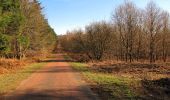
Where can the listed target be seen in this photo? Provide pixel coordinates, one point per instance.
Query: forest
(133, 34)
(24, 31)
(124, 58)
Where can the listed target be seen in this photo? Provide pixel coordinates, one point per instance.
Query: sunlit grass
(116, 87)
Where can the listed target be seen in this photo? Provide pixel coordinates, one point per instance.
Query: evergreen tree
(23, 28)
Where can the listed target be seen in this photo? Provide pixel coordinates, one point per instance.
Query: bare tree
(153, 27)
(126, 19)
(98, 39)
(136, 34)
(165, 32)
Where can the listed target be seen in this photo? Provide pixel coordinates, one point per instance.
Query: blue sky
(66, 15)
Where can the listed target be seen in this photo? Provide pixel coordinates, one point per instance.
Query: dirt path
(56, 81)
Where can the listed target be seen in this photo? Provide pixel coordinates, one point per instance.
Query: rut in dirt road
(56, 81)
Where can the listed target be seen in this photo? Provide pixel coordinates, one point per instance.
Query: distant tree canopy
(133, 34)
(23, 29)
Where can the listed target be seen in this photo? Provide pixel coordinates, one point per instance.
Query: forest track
(56, 81)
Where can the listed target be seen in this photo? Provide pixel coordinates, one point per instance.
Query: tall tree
(25, 25)
(165, 37)
(126, 19)
(153, 27)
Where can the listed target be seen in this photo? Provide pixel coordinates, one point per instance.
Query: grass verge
(10, 81)
(109, 87)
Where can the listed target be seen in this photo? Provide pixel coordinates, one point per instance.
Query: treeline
(24, 31)
(133, 35)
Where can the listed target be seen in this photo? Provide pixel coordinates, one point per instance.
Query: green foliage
(5, 20)
(9, 5)
(4, 44)
(10, 23)
(24, 41)
(41, 35)
(24, 22)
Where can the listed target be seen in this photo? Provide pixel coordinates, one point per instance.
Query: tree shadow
(157, 89)
(77, 93)
(48, 61)
(61, 69)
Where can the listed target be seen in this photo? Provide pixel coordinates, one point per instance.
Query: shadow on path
(56, 81)
(53, 94)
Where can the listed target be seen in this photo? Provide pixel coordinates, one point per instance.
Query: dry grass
(137, 70)
(12, 65)
(10, 81)
(150, 81)
(14, 71)
(145, 81)
(8, 65)
(139, 80)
